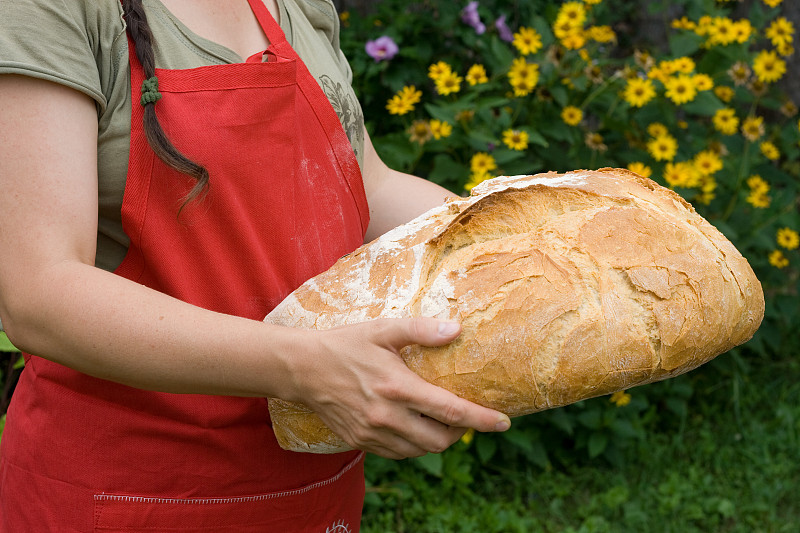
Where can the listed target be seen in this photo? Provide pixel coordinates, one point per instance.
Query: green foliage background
(563, 442)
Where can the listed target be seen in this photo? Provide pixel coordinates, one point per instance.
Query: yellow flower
(564, 27)
(758, 200)
(768, 66)
(725, 121)
(683, 64)
(707, 186)
(595, 141)
(447, 83)
(420, 131)
(707, 162)
(638, 92)
(758, 192)
(777, 259)
(516, 139)
(572, 115)
(773, 3)
(681, 89)
(523, 76)
(527, 41)
(740, 73)
(640, 168)
(663, 148)
(658, 73)
(742, 31)
(602, 34)
(788, 109)
(466, 115)
(440, 129)
(757, 184)
(482, 162)
(476, 75)
(468, 435)
(703, 82)
(753, 128)
(477, 178)
(770, 151)
(657, 129)
(574, 41)
(573, 11)
(404, 101)
(724, 93)
(780, 32)
(683, 23)
(721, 31)
(620, 398)
(592, 2)
(788, 238)
(439, 69)
(785, 49)
(681, 174)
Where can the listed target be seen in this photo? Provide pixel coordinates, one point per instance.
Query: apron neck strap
(271, 28)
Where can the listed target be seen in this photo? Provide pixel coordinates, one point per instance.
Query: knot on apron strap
(150, 94)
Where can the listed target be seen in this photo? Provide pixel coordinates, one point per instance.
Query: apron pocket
(330, 505)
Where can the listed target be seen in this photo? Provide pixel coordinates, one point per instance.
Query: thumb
(423, 330)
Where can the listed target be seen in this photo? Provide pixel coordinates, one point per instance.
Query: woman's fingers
(433, 401)
(375, 403)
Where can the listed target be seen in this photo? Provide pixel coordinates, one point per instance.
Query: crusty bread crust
(567, 286)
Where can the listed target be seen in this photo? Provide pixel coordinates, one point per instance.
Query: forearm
(106, 326)
(395, 197)
(400, 198)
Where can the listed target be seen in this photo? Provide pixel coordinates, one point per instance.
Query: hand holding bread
(567, 286)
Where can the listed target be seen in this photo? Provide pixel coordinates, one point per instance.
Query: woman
(170, 170)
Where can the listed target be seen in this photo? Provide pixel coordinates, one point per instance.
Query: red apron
(285, 201)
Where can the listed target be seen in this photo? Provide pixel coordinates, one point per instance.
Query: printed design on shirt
(346, 106)
(339, 527)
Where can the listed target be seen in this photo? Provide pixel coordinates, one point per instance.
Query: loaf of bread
(567, 286)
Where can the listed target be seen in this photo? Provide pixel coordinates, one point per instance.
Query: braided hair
(142, 37)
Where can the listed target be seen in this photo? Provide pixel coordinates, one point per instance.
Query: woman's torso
(84, 45)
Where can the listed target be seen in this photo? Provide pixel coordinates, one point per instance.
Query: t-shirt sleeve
(55, 40)
(324, 18)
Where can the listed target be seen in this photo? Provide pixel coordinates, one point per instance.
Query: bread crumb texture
(567, 286)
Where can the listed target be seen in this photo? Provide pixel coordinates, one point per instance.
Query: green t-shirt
(82, 44)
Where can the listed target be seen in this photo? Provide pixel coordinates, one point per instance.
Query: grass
(731, 465)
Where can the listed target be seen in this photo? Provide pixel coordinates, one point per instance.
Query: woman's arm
(56, 304)
(394, 197)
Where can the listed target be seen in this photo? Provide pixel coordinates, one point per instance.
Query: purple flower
(382, 49)
(470, 16)
(502, 28)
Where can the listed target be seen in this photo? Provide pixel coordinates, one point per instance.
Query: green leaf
(501, 55)
(448, 173)
(5, 344)
(684, 44)
(562, 421)
(535, 137)
(486, 446)
(597, 444)
(519, 439)
(705, 104)
(395, 150)
(431, 463)
(591, 419)
(538, 455)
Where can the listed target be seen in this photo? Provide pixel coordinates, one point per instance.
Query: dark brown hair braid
(142, 37)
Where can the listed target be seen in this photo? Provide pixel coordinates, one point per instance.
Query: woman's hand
(360, 387)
